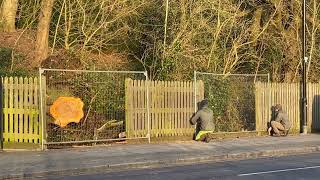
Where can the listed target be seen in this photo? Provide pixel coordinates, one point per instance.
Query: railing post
(41, 93)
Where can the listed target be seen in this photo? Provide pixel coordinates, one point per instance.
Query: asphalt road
(282, 168)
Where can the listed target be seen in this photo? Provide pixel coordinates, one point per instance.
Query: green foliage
(217, 92)
(103, 92)
(163, 72)
(232, 101)
(5, 64)
(5, 57)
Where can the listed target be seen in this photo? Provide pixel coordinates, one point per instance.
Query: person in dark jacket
(281, 122)
(204, 120)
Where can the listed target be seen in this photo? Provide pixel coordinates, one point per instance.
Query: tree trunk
(8, 15)
(41, 47)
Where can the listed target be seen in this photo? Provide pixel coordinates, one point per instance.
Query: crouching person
(204, 120)
(281, 124)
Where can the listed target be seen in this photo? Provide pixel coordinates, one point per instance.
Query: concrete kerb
(166, 163)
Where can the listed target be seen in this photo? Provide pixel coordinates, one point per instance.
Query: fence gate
(20, 123)
(101, 97)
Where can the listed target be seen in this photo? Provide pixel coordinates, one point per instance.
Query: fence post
(1, 115)
(127, 126)
(147, 104)
(42, 104)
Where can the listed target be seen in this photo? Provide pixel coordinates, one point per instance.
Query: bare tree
(8, 15)
(42, 45)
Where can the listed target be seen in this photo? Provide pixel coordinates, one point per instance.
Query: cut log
(107, 126)
(110, 124)
(66, 110)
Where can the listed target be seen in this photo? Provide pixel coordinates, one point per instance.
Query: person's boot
(269, 131)
(203, 138)
(286, 132)
(207, 139)
(276, 135)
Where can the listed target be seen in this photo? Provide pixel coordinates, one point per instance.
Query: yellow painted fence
(21, 119)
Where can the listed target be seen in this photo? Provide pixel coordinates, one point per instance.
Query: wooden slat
(183, 105)
(22, 127)
(175, 98)
(151, 98)
(11, 126)
(36, 120)
(168, 106)
(152, 113)
(257, 105)
(138, 102)
(141, 107)
(17, 137)
(33, 116)
(161, 104)
(145, 113)
(27, 107)
(310, 94)
(135, 101)
(128, 107)
(142, 117)
(5, 110)
(178, 92)
(189, 97)
(156, 108)
(169, 103)
(165, 108)
(171, 107)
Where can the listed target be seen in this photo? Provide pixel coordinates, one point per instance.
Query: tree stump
(66, 110)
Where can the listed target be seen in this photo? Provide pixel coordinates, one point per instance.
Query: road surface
(282, 168)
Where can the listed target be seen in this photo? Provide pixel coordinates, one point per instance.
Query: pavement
(117, 157)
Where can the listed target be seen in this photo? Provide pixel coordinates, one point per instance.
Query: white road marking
(276, 171)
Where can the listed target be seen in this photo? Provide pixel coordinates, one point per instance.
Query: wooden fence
(21, 120)
(288, 95)
(171, 107)
(313, 112)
